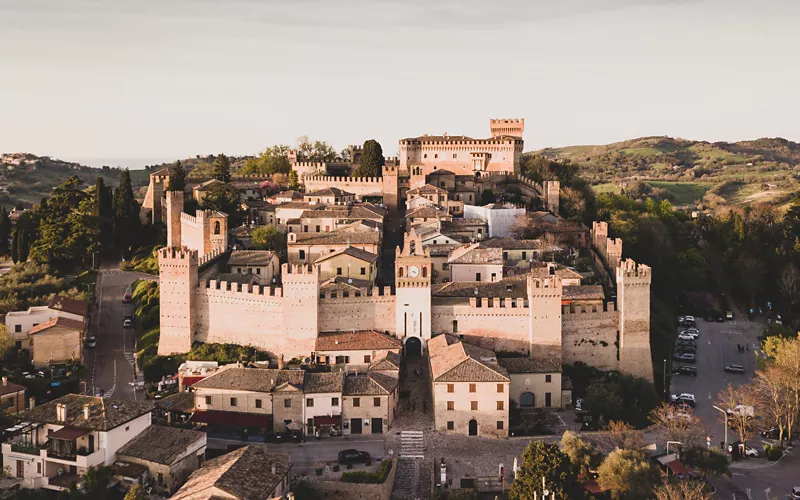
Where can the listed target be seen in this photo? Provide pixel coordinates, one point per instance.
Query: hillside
(719, 173)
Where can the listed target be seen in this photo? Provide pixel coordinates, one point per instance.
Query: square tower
(633, 303)
(178, 278)
(413, 282)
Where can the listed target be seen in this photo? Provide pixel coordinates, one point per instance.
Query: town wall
(489, 323)
(364, 310)
(589, 334)
(359, 186)
(633, 296)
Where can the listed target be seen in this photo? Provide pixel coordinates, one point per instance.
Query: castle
(532, 314)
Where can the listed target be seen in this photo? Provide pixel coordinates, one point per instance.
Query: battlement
(191, 219)
(310, 164)
(542, 283)
(298, 269)
(614, 246)
(174, 253)
(599, 229)
(391, 159)
(631, 272)
(212, 255)
(574, 309)
(244, 289)
(333, 180)
(373, 293)
(505, 141)
(507, 121)
(499, 303)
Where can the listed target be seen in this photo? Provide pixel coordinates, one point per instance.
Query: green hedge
(363, 477)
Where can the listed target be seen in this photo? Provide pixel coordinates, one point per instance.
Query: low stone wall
(354, 491)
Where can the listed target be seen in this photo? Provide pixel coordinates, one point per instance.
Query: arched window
(527, 399)
(424, 271)
(399, 272)
(436, 156)
(425, 155)
(216, 227)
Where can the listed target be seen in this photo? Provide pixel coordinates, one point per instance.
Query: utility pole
(726, 426)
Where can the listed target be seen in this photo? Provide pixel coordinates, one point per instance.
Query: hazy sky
(173, 78)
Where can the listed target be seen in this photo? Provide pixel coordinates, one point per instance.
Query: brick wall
(337, 490)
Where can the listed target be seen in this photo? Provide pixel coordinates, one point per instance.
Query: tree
(177, 179)
(545, 461)
(784, 354)
(582, 454)
(774, 399)
(126, 212)
(136, 493)
(682, 490)
(268, 238)
(623, 436)
(628, 475)
(679, 424)
(294, 181)
(707, 461)
(5, 231)
(24, 247)
(15, 247)
(372, 160)
(739, 403)
(487, 196)
(222, 168)
(6, 341)
(318, 151)
(224, 198)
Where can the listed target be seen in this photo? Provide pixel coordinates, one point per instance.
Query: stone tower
(633, 303)
(552, 193)
(174, 207)
(300, 302)
(512, 127)
(177, 269)
(391, 187)
(413, 282)
(544, 298)
(155, 193)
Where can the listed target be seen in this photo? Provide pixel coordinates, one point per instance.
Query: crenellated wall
(589, 334)
(363, 310)
(497, 324)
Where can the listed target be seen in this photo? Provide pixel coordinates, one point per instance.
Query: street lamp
(726, 425)
(668, 443)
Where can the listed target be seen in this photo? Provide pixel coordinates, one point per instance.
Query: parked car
(796, 492)
(734, 368)
(692, 331)
(687, 318)
(91, 341)
(686, 336)
(127, 323)
(353, 456)
(686, 348)
(127, 298)
(684, 397)
(773, 433)
(687, 357)
(729, 315)
(690, 343)
(686, 370)
(751, 452)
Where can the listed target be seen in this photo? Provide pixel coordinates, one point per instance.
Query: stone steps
(407, 481)
(412, 445)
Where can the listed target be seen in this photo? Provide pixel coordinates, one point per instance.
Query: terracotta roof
(508, 243)
(427, 212)
(238, 278)
(426, 189)
(474, 254)
(361, 340)
(369, 384)
(542, 270)
(466, 222)
(343, 212)
(389, 362)
(352, 252)
(297, 204)
(204, 186)
(455, 361)
(531, 365)
(242, 231)
(440, 172)
(161, 444)
(343, 283)
(59, 321)
(513, 287)
(10, 388)
(329, 191)
(584, 292)
(344, 234)
(316, 383)
(74, 306)
(294, 195)
(441, 249)
(104, 414)
(250, 379)
(244, 474)
(250, 258)
(180, 401)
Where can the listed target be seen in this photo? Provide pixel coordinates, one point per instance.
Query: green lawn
(642, 151)
(685, 193)
(609, 187)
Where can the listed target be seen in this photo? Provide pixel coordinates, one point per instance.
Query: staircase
(412, 445)
(413, 477)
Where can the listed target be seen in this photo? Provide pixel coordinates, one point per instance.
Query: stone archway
(413, 347)
(527, 400)
(473, 427)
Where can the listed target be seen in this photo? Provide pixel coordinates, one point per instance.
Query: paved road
(109, 368)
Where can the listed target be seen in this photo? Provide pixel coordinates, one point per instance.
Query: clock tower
(413, 282)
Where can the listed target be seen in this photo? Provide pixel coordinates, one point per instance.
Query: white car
(796, 492)
(684, 396)
(687, 318)
(751, 452)
(686, 336)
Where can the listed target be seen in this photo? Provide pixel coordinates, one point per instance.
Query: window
(17, 328)
(233, 401)
(500, 388)
(399, 272)
(127, 428)
(480, 231)
(208, 400)
(216, 227)
(455, 155)
(505, 255)
(376, 402)
(302, 255)
(501, 405)
(367, 358)
(445, 266)
(338, 271)
(425, 155)
(424, 271)
(524, 255)
(317, 228)
(451, 405)
(249, 270)
(472, 388)
(20, 469)
(356, 402)
(363, 271)
(451, 425)
(305, 228)
(548, 400)
(455, 326)
(451, 388)
(470, 197)
(258, 270)
(287, 403)
(334, 401)
(548, 378)
(477, 276)
(436, 156)
(309, 402)
(473, 405)
(38, 467)
(494, 277)
(499, 425)
(258, 403)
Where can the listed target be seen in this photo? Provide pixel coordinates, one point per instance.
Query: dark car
(686, 357)
(686, 370)
(354, 456)
(683, 349)
(734, 368)
(688, 343)
(773, 433)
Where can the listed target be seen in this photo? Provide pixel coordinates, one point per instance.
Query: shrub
(364, 477)
(773, 452)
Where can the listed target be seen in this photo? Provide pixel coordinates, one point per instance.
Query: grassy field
(608, 187)
(685, 193)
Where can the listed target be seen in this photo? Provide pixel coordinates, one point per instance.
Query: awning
(677, 467)
(67, 433)
(326, 420)
(190, 381)
(233, 419)
(294, 426)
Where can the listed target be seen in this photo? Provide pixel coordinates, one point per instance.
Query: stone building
(58, 340)
(12, 397)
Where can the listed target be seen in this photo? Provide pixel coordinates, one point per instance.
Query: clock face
(413, 271)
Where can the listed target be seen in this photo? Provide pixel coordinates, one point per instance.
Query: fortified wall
(591, 335)
(548, 191)
(609, 249)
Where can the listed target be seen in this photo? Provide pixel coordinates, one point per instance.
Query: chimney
(31, 402)
(86, 412)
(61, 412)
(5, 381)
(274, 468)
(280, 362)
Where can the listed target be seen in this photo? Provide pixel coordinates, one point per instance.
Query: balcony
(25, 448)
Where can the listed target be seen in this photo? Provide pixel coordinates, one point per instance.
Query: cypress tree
(222, 168)
(177, 179)
(5, 230)
(24, 247)
(15, 247)
(372, 160)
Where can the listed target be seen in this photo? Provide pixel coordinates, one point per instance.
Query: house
(470, 389)
(57, 340)
(285, 197)
(199, 191)
(499, 218)
(475, 263)
(175, 408)
(349, 262)
(170, 454)
(440, 268)
(19, 323)
(535, 382)
(249, 473)
(369, 402)
(326, 218)
(323, 405)
(248, 190)
(329, 196)
(424, 214)
(354, 348)
(470, 229)
(521, 251)
(12, 397)
(58, 441)
(308, 247)
(263, 264)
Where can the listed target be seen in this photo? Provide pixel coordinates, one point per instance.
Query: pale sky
(162, 79)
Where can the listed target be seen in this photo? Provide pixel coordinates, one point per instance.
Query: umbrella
(294, 426)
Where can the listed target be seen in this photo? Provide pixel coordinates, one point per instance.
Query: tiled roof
(250, 258)
(297, 204)
(104, 414)
(441, 249)
(161, 444)
(204, 186)
(531, 365)
(427, 212)
(543, 270)
(343, 283)
(584, 292)
(466, 222)
(352, 252)
(513, 287)
(250, 379)
(59, 321)
(361, 340)
(244, 474)
(10, 388)
(329, 191)
(455, 361)
(316, 383)
(294, 195)
(180, 401)
(440, 172)
(74, 306)
(508, 243)
(369, 384)
(389, 362)
(344, 234)
(426, 189)
(238, 278)
(343, 212)
(474, 254)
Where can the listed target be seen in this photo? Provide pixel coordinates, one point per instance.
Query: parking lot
(717, 347)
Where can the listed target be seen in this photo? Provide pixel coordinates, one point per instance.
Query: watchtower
(544, 302)
(633, 303)
(174, 205)
(391, 186)
(413, 280)
(178, 280)
(511, 127)
(300, 306)
(552, 193)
